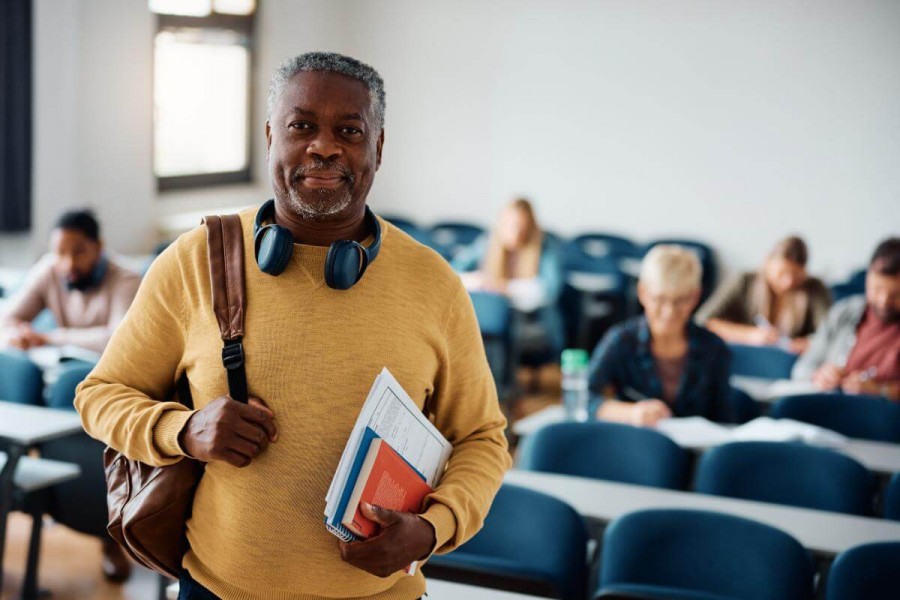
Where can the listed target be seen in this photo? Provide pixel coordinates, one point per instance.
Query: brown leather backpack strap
(225, 242)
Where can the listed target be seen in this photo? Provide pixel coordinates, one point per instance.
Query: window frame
(246, 26)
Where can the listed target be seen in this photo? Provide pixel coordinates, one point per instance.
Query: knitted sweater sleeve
(123, 401)
(466, 410)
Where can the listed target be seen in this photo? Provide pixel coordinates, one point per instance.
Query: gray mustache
(321, 166)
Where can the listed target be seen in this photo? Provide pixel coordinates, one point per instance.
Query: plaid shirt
(624, 361)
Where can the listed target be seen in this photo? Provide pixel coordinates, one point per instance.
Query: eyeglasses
(675, 302)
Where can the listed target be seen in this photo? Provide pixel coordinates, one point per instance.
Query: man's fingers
(383, 516)
(262, 416)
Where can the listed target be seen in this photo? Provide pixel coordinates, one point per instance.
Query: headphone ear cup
(343, 265)
(274, 246)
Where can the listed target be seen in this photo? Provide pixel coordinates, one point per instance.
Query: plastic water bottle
(575, 384)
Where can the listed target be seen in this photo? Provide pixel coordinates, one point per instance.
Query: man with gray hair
(322, 319)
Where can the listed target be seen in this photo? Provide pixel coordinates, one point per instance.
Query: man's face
(323, 148)
(883, 295)
(76, 254)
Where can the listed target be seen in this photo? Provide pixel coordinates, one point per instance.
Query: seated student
(87, 292)
(778, 304)
(857, 349)
(662, 364)
(519, 262)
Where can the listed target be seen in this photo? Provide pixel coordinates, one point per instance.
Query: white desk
(881, 458)
(822, 532)
(22, 427)
(446, 590)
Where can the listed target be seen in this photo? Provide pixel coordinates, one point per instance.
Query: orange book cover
(385, 480)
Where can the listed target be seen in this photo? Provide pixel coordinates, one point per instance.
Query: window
(203, 57)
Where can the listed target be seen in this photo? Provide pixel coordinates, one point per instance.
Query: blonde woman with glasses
(661, 364)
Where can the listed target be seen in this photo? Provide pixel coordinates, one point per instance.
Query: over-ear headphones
(345, 262)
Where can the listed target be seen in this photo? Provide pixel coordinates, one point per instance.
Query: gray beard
(316, 206)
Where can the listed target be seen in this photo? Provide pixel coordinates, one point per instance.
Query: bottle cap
(574, 359)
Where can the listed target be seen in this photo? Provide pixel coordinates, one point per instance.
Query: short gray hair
(331, 62)
(669, 268)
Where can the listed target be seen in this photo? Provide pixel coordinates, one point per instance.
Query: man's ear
(378, 146)
(268, 139)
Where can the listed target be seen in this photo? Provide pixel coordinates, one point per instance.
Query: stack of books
(393, 459)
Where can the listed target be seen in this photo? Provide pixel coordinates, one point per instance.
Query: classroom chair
(866, 572)
(530, 542)
(699, 555)
(495, 321)
(764, 362)
(610, 451)
(787, 473)
(892, 498)
(861, 417)
(417, 233)
(449, 237)
(21, 381)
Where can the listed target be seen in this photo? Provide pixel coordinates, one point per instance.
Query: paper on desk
(766, 429)
(694, 431)
(395, 418)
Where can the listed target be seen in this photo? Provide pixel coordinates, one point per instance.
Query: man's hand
(828, 377)
(26, 337)
(860, 382)
(229, 431)
(404, 538)
(798, 345)
(648, 413)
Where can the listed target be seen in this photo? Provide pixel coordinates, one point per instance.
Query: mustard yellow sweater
(312, 355)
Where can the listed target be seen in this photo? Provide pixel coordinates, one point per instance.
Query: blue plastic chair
(765, 362)
(417, 233)
(530, 542)
(494, 316)
(598, 245)
(784, 473)
(861, 417)
(21, 381)
(62, 392)
(853, 286)
(866, 572)
(701, 555)
(610, 451)
(450, 237)
(892, 498)
(595, 295)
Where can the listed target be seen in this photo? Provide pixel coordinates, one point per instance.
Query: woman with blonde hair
(780, 304)
(661, 364)
(520, 262)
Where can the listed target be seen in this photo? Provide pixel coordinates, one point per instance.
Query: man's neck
(322, 233)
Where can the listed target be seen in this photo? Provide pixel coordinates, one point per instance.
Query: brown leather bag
(149, 506)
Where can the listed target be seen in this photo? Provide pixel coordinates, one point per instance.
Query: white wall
(731, 121)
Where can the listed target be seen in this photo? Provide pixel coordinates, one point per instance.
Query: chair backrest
(21, 380)
(892, 498)
(740, 407)
(866, 572)
(598, 245)
(419, 234)
(494, 316)
(704, 552)
(62, 392)
(528, 535)
(786, 473)
(610, 451)
(450, 237)
(862, 417)
(766, 362)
